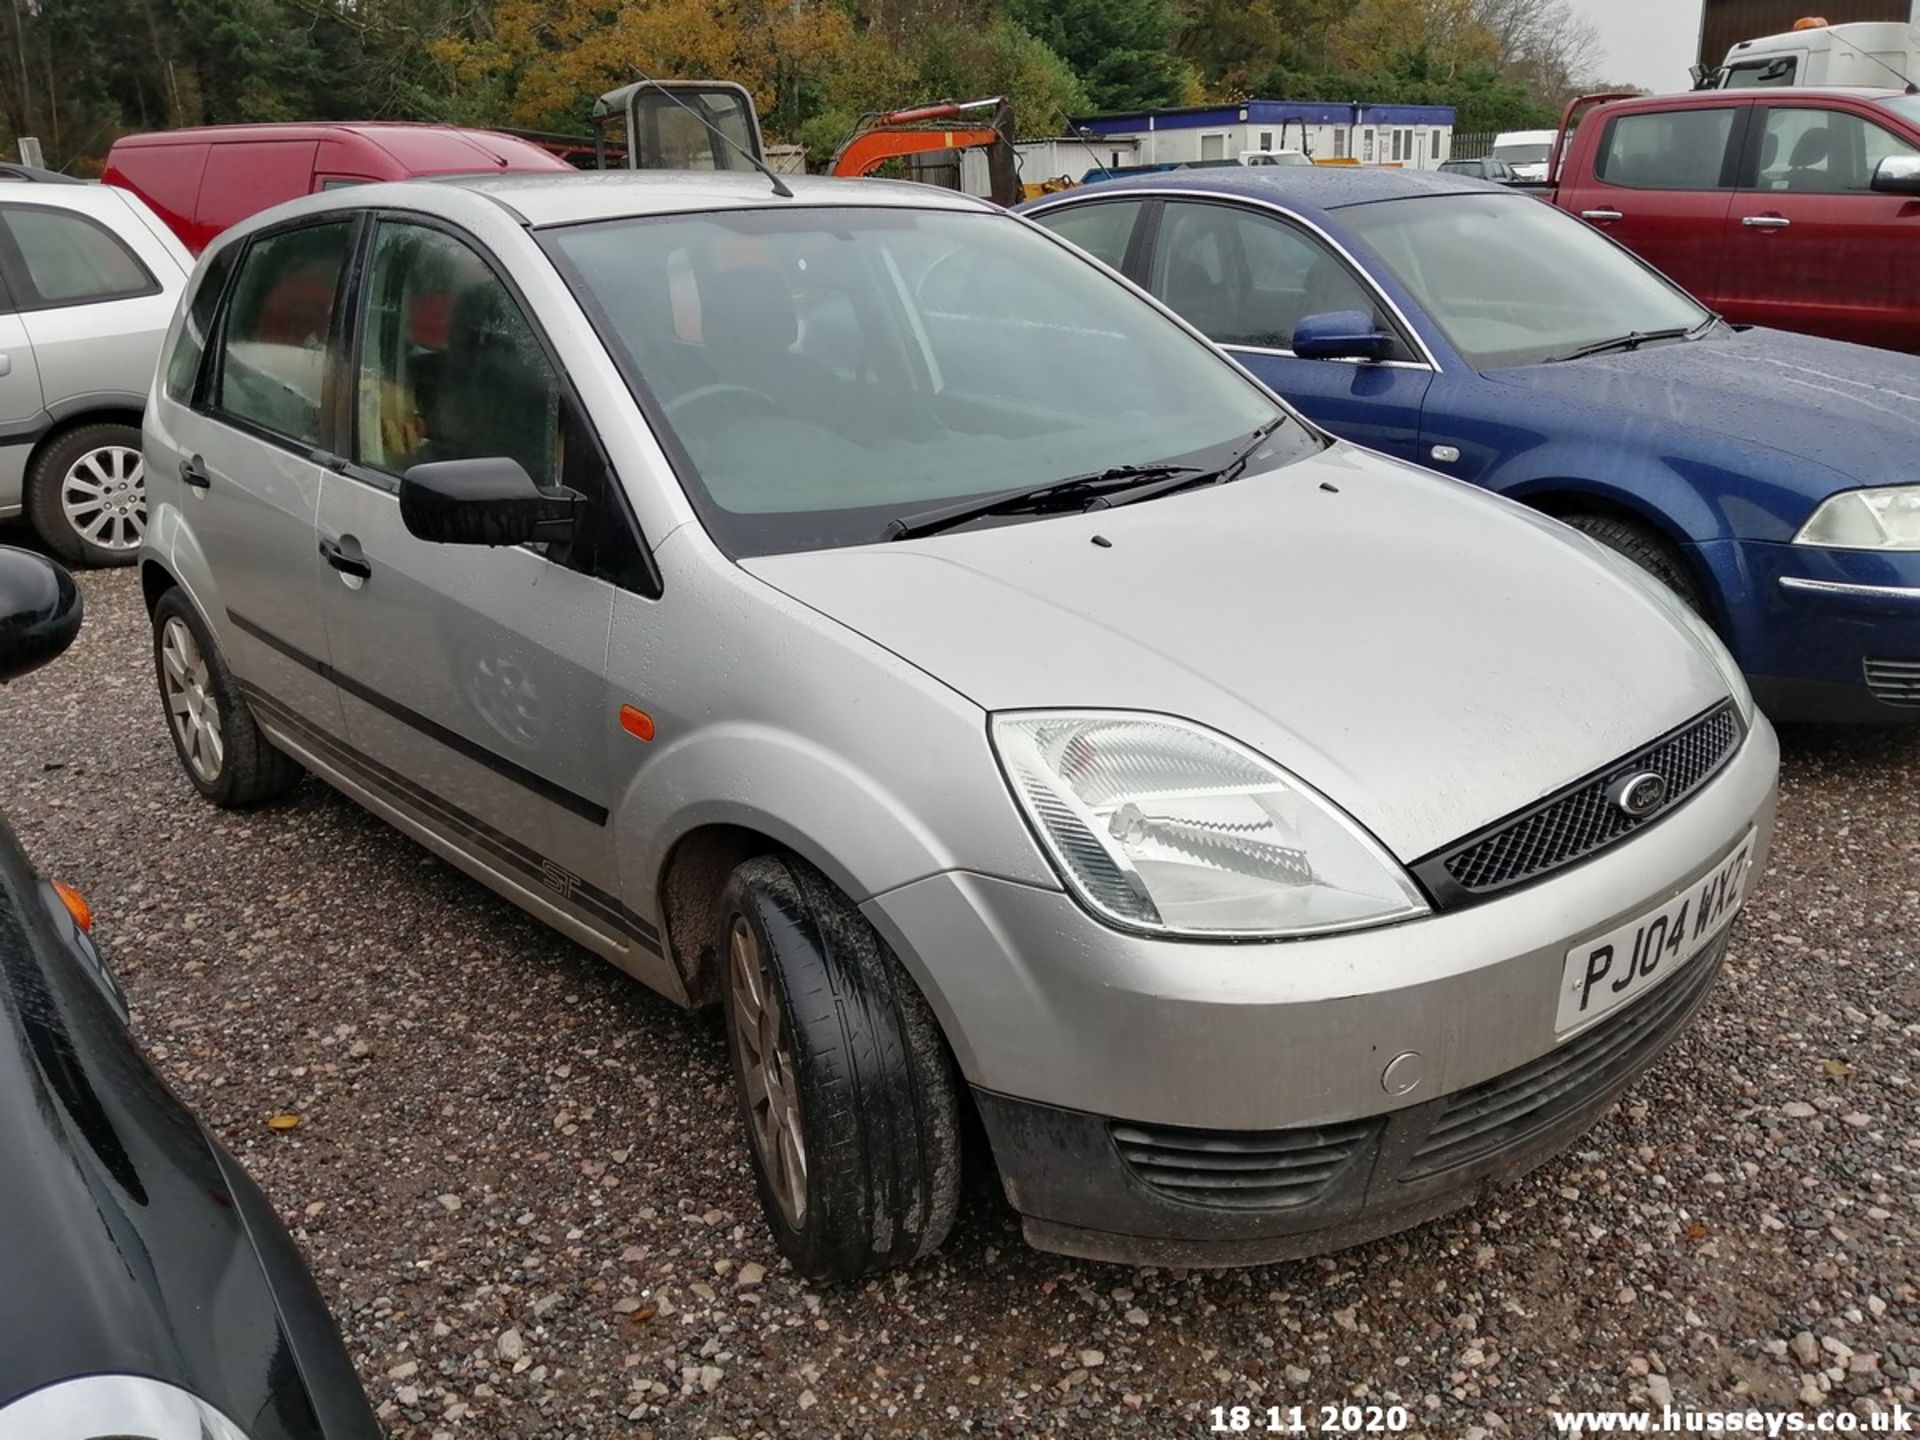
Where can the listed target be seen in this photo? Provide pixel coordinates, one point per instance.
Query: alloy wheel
(765, 1042)
(103, 496)
(191, 706)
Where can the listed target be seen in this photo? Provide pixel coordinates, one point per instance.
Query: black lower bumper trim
(1132, 1193)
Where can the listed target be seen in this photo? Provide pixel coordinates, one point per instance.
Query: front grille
(1242, 1169)
(1581, 819)
(1504, 1111)
(1894, 682)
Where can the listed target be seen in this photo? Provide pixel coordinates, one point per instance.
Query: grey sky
(1648, 42)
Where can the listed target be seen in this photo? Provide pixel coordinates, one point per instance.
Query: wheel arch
(94, 410)
(689, 893)
(1562, 498)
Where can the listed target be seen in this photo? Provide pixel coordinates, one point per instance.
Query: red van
(202, 181)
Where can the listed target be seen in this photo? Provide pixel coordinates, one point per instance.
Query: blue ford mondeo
(1773, 480)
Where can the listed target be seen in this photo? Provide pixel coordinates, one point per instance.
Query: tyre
(1645, 549)
(845, 1085)
(223, 752)
(87, 494)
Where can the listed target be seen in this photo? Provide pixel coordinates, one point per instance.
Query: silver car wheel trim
(765, 1044)
(104, 497)
(191, 707)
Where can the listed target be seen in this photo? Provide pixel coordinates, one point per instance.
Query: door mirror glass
(1898, 175)
(40, 609)
(1340, 335)
(490, 501)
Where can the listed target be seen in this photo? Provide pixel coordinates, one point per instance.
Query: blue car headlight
(1886, 518)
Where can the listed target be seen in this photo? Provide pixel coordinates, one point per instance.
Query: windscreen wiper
(1093, 486)
(1138, 482)
(1633, 340)
(1221, 475)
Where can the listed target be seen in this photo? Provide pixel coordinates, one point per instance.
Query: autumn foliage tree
(76, 73)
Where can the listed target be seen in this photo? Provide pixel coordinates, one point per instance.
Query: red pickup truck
(1794, 208)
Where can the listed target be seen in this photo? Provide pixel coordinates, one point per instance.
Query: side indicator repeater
(636, 722)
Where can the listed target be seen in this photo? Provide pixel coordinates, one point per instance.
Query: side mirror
(491, 501)
(1898, 175)
(40, 610)
(1340, 335)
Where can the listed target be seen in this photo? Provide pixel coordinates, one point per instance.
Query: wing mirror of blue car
(1898, 175)
(40, 610)
(489, 501)
(1340, 335)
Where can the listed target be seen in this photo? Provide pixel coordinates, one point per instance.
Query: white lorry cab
(1813, 52)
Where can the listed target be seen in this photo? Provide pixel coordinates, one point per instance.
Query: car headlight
(1161, 825)
(1884, 519)
(1688, 619)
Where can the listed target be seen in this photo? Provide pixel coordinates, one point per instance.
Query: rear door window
(1667, 149)
(61, 258)
(274, 346)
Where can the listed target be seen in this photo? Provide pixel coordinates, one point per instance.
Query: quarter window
(1667, 149)
(68, 259)
(1101, 230)
(1822, 152)
(273, 351)
(183, 366)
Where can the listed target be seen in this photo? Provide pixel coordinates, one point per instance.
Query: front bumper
(1063, 1025)
(1824, 635)
(1161, 1195)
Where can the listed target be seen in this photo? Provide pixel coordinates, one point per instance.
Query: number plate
(1610, 970)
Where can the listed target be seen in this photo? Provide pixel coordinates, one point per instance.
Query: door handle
(1602, 217)
(193, 473)
(6, 364)
(1766, 222)
(347, 562)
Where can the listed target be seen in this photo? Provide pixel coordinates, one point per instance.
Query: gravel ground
(520, 1180)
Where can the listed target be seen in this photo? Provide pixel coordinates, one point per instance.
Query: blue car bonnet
(1850, 415)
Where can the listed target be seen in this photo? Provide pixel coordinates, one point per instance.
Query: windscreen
(666, 129)
(1523, 154)
(1514, 282)
(825, 370)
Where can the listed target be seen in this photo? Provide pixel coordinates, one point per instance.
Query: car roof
(542, 199)
(1323, 187)
(538, 198)
(1767, 92)
(295, 130)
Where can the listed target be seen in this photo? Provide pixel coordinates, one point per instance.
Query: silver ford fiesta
(858, 609)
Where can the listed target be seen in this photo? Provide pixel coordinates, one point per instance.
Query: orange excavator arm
(894, 133)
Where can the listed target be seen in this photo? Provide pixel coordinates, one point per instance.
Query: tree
(1544, 45)
(1122, 50)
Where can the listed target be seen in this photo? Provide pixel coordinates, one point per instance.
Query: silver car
(862, 610)
(89, 279)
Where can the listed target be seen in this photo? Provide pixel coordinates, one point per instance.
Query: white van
(1527, 153)
(1816, 53)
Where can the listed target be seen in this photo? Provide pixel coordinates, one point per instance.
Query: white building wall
(1413, 147)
